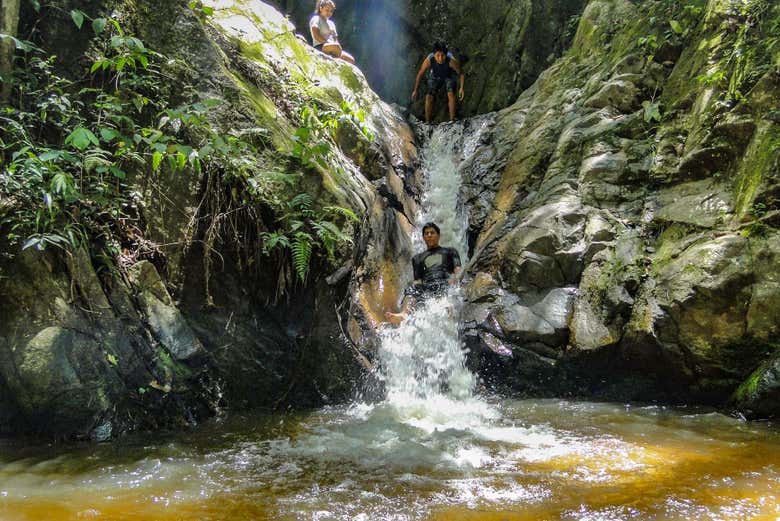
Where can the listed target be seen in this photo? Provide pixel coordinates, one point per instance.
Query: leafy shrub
(71, 153)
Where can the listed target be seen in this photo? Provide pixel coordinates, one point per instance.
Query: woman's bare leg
(347, 57)
(333, 49)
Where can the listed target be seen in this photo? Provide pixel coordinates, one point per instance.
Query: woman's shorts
(436, 84)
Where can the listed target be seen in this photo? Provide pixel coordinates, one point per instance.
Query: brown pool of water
(521, 460)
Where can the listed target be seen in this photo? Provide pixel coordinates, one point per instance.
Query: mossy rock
(759, 395)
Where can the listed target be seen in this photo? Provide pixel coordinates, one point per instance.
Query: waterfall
(423, 359)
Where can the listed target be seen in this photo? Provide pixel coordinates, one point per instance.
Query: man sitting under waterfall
(435, 270)
(444, 67)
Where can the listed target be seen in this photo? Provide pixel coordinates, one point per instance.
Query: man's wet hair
(440, 46)
(431, 225)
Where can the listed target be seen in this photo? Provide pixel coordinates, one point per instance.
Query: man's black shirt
(434, 267)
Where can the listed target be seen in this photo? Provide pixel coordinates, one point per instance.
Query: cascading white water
(440, 204)
(423, 360)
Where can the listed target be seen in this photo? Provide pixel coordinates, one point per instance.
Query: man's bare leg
(397, 318)
(451, 103)
(428, 108)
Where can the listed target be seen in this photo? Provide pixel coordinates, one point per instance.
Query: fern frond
(330, 236)
(295, 225)
(333, 231)
(340, 210)
(302, 202)
(274, 240)
(327, 238)
(301, 254)
(94, 160)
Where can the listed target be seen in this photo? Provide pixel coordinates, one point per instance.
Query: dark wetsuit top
(442, 70)
(434, 267)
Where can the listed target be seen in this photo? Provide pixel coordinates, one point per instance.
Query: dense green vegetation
(74, 151)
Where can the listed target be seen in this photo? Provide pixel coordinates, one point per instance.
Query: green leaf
(652, 111)
(676, 26)
(112, 359)
(36, 5)
(63, 184)
(99, 25)
(138, 103)
(50, 155)
(117, 172)
(156, 160)
(81, 138)
(78, 17)
(20, 45)
(108, 134)
(181, 161)
(33, 242)
(135, 43)
(274, 240)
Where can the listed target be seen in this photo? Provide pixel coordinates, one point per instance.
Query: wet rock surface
(169, 339)
(619, 254)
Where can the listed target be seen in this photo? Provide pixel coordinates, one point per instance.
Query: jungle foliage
(72, 152)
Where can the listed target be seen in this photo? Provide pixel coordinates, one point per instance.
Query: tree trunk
(9, 23)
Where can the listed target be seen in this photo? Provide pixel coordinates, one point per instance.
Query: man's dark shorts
(436, 84)
(422, 292)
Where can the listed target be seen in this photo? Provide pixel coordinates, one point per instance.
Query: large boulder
(78, 358)
(195, 319)
(649, 199)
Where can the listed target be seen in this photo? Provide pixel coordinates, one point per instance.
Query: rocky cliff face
(166, 338)
(624, 213)
(622, 217)
(504, 45)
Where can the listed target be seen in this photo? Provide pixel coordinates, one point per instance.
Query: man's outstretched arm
(455, 64)
(426, 64)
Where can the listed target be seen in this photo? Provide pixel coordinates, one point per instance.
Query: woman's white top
(327, 29)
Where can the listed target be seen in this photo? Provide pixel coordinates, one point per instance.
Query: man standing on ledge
(435, 270)
(444, 67)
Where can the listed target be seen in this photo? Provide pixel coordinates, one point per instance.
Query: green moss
(302, 55)
(268, 115)
(750, 387)
(178, 372)
(761, 154)
(668, 245)
(587, 34)
(350, 79)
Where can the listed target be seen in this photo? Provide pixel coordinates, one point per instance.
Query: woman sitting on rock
(323, 31)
